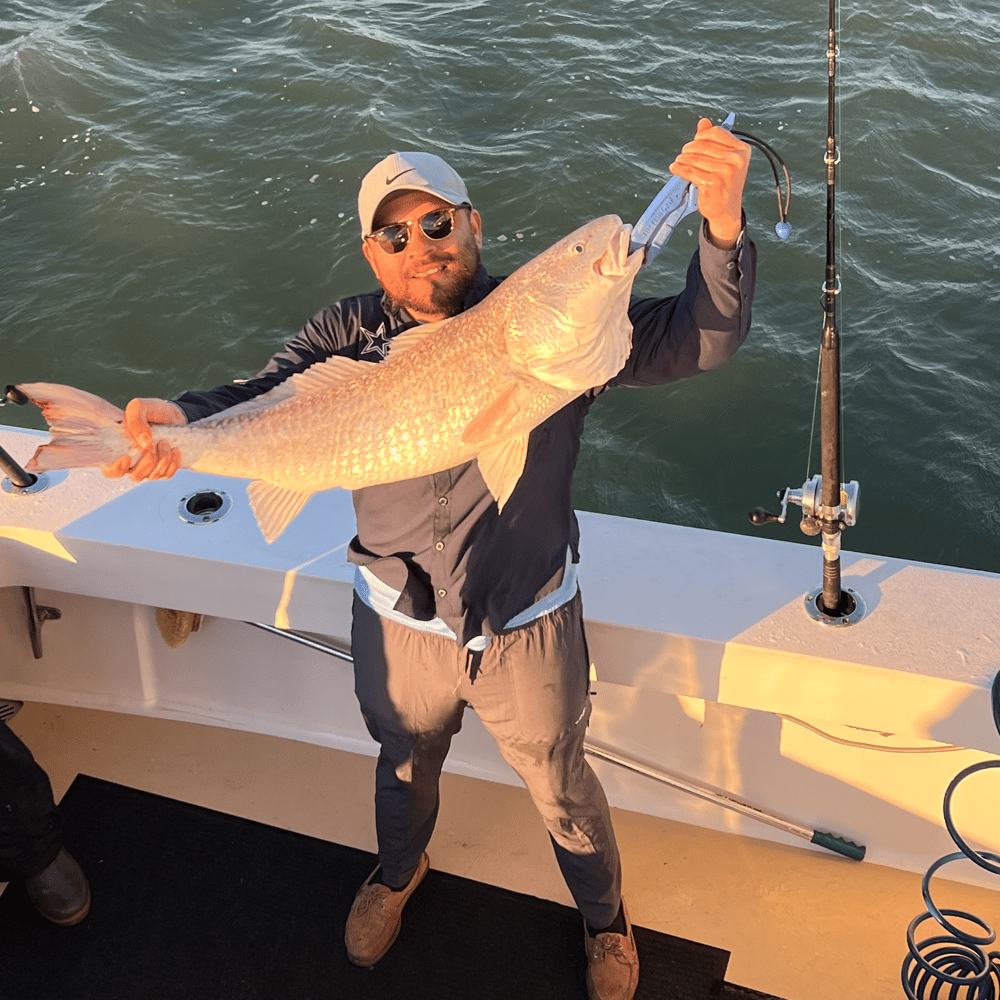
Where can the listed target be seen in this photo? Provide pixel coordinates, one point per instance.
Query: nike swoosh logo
(400, 174)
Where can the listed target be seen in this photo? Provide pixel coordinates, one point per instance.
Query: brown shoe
(375, 917)
(612, 964)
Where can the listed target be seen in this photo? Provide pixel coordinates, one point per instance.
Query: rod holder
(851, 610)
(18, 480)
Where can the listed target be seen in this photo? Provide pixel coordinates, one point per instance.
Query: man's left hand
(716, 162)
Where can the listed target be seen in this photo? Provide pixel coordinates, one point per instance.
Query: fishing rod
(828, 505)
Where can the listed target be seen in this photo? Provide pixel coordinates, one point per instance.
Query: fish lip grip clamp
(677, 199)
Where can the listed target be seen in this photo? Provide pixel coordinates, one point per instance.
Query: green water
(183, 199)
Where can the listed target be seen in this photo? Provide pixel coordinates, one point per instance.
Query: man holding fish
(466, 584)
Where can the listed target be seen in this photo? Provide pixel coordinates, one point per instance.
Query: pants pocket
(545, 674)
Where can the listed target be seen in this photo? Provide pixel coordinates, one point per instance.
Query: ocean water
(178, 183)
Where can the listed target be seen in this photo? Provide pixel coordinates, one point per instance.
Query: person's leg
(532, 692)
(31, 837)
(407, 687)
(406, 682)
(30, 823)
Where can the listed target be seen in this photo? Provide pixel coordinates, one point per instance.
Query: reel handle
(760, 516)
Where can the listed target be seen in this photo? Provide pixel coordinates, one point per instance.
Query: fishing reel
(830, 604)
(815, 517)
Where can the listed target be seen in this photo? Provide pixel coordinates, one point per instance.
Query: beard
(446, 293)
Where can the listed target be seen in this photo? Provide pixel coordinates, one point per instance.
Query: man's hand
(716, 162)
(159, 460)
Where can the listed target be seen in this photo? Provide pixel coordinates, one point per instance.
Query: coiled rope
(957, 959)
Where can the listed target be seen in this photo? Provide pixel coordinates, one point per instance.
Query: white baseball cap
(408, 172)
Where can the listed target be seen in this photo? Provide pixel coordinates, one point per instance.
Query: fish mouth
(615, 261)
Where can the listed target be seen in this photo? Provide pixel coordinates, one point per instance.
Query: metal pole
(831, 841)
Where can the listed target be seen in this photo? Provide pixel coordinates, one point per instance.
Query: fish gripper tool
(677, 199)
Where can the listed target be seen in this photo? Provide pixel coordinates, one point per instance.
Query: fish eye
(579, 248)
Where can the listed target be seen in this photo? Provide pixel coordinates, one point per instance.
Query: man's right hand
(716, 162)
(159, 460)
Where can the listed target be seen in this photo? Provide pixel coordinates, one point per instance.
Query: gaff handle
(840, 845)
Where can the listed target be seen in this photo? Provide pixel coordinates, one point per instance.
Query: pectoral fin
(274, 507)
(494, 419)
(501, 467)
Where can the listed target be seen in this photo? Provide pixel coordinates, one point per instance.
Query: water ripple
(184, 198)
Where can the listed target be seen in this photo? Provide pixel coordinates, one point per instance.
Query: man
(31, 848)
(455, 603)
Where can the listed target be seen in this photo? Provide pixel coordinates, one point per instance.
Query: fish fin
(410, 339)
(331, 372)
(492, 420)
(262, 402)
(317, 377)
(502, 465)
(85, 429)
(274, 507)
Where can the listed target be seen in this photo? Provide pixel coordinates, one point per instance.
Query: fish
(472, 386)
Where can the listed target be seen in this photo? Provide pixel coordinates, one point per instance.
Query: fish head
(568, 323)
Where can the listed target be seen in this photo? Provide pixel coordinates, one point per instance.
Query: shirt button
(442, 593)
(442, 500)
(439, 546)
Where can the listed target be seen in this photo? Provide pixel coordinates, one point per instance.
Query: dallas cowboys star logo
(375, 343)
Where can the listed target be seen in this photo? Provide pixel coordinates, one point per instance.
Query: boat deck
(800, 924)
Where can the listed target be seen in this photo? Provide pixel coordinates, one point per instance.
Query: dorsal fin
(316, 378)
(409, 339)
(333, 371)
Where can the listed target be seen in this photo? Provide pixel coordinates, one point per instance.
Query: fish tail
(86, 430)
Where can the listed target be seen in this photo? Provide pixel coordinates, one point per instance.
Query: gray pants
(530, 689)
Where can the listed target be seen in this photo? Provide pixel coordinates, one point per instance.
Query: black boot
(60, 893)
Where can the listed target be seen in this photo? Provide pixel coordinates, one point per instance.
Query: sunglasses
(436, 225)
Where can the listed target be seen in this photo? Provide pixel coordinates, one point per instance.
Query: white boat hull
(708, 664)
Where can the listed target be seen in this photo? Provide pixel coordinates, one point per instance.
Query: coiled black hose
(955, 966)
